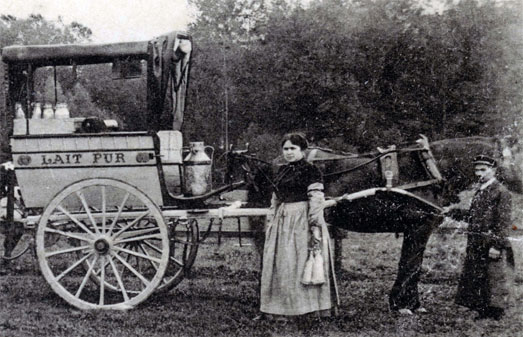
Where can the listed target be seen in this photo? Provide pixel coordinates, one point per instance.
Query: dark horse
(415, 215)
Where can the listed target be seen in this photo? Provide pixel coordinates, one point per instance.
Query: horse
(432, 174)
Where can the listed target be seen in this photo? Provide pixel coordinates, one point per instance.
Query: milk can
(19, 111)
(37, 111)
(197, 169)
(61, 111)
(48, 111)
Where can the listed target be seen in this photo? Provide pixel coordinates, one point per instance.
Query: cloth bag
(314, 272)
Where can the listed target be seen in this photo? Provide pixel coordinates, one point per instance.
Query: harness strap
(418, 184)
(428, 159)
(389, 165)
(311, 155)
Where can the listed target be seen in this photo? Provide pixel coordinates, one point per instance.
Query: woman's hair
(296, 138)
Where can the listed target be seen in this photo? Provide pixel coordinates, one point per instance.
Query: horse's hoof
(405, 312)
(421, 310)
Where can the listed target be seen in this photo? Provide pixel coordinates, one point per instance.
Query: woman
(296, 234)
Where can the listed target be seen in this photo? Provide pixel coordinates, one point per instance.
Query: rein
(370, 160)
(373, 159)
(355, 167)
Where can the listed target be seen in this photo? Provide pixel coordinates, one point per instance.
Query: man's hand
(449, 208)
(494, 253)
(446, 209)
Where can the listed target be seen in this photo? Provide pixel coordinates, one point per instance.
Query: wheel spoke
(153, 247)
(126, 227)
(120, 209)
(127, 259)
(138, 238)
(134, 271)
(86, 277)
(171, 258)
(150, 262)
(104, 206)
(97, 272)
(175, 260)
(119, 280)
(72, 235)
(102, 279)
(65, 251)
(136, 232)
(87, 210)
(81, 225)
(76, 264)
(147, 257)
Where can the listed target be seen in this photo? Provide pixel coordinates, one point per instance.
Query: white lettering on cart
(108, 158)
(58, 159)
(78, 158)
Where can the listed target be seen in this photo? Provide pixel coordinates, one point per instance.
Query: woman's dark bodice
(293, 179)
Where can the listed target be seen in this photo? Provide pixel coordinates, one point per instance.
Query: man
(482, 286)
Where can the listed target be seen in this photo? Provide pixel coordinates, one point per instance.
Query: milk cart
(114, 213)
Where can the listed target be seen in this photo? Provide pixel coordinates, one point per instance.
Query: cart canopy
(49, 55)
(167, 57)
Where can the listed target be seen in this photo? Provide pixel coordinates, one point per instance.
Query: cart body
(46, 164)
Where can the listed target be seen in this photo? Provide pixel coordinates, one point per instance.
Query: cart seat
(171, 143)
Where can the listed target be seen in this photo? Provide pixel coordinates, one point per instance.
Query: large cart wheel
(106, 230)
(184, 236)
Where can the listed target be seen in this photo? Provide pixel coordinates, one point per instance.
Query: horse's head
(257, 173)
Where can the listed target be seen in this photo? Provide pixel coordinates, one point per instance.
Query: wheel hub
(101, 246)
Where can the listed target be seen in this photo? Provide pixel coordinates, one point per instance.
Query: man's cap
(484, 160)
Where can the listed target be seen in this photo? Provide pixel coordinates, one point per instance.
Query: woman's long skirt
(285, 253)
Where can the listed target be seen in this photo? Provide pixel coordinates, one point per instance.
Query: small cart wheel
(184, 235)
(109, 231)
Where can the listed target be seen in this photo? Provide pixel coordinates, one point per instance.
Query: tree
(368, 72)
(38, 30)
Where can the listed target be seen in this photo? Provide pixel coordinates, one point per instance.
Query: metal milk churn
(61, 111)
(48, 111)
(37, 111)
(19, 111)
(197, 169)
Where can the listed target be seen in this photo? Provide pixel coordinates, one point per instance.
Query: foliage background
(356, 74)
(351, 74)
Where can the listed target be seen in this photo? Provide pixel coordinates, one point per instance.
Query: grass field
(220, 297)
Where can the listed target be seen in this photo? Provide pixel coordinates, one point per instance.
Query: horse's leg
(13, 234)
(337, 235)
(404, 293)
(257, 225)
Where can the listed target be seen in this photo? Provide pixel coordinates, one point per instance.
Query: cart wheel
(183, 249)
(109, 231)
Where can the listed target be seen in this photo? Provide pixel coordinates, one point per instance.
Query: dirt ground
(219, 298)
